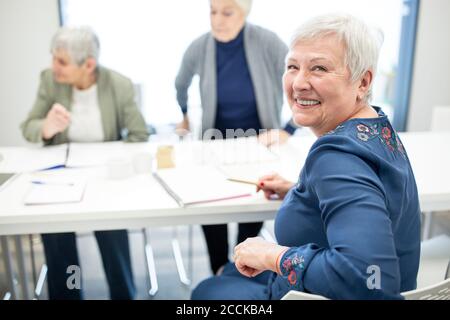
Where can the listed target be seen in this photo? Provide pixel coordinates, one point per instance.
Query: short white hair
(81, 43)
(245, 5)
(362, 43)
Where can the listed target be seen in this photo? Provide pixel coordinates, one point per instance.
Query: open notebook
(200, 184)
(19, 159)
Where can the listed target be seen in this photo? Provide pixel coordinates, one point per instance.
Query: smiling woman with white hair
(240, 67)
(350, 227)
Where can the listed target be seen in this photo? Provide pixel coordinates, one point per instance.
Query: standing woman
(240, 67)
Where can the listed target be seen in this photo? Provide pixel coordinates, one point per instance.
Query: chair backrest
(440, 119)
(298, 295)
(434, 260)
(439, 291)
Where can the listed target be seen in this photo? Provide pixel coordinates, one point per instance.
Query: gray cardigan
(265, 53)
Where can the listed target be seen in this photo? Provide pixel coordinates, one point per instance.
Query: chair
(434, 258)
(298, 295)
(439, 291)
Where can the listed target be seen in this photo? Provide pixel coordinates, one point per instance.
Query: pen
(52, 183)
(67, 154)
(60, 166)
(243, 181)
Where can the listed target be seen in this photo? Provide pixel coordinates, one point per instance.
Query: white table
(429, 153)
(135, 202)
(140, 201)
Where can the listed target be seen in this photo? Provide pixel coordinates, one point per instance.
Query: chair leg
(427, 225)
(20, 256)
(190, 252)
(179, 259)
(150, 260)
(40, 281)
(267, 236)
(447, 273)
(8, 268)
(33, 260)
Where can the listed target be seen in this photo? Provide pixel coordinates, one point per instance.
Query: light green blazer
(118, 108)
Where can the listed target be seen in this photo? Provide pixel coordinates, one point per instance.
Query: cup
(142, 163)
(119, 168)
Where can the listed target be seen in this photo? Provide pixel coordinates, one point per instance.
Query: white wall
(431, 80)
(26, 28)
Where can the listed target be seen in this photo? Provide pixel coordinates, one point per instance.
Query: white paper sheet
(55, 190)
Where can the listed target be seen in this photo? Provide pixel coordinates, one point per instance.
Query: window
(145, 40)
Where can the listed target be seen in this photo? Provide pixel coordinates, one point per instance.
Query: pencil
(243, 181)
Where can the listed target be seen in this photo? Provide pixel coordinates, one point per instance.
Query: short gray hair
(81, 43)
(245, 5)
(362, 43)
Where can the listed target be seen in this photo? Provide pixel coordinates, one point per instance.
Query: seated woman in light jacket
(80, 101)
(240, 67)
(350, 227)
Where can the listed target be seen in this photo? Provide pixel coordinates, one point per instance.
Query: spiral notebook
(200, 184)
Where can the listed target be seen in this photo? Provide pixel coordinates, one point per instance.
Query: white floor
(170, 287)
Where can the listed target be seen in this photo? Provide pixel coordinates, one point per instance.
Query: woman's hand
(183, 127)
(274, 184)
(256, 255)
(57, 120)
(273, 137)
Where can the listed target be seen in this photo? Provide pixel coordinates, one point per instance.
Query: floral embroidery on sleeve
(292, 266)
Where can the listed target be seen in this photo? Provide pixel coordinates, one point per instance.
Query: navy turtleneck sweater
(236, 102)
